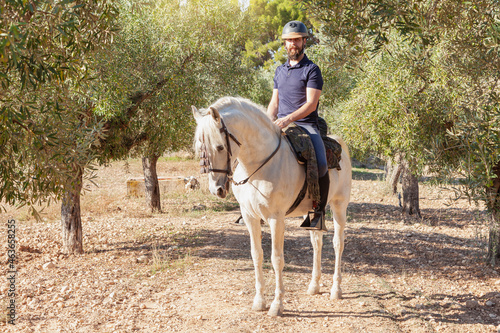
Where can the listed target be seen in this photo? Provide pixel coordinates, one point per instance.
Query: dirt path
(192, 272)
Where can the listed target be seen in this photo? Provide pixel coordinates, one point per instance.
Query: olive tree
(457, 46)
(45, 47)
(168, 56)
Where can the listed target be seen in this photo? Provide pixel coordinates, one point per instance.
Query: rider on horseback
(297, 88)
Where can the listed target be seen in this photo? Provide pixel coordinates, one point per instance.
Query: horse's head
(213, 146)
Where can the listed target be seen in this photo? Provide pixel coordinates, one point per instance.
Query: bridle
(206, 165)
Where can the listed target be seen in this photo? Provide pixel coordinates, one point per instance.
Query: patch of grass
(162, 261)
(367, 174)
(386, 285)
(226, 206)
(142, 235)
(182, 156)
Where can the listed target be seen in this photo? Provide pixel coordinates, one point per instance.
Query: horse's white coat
(271, 191)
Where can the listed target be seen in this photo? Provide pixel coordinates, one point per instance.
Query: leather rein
(206, 165)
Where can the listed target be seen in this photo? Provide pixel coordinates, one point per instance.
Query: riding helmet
(294, 29)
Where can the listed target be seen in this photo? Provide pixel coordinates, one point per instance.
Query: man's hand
(283, 122)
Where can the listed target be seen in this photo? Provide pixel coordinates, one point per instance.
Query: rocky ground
(189, 269)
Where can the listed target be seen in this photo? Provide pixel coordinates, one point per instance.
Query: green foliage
(165, 58)
(269, 17)
(429, 89)
(44, 120)
(392, 111)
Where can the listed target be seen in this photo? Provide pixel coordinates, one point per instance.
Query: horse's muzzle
(221, 192)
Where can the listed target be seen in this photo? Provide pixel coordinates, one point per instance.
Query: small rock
(142, 260)
(419, 306)
(490, 303)
(471, 304)
(112, 295)
(48, 265)
(199, 317)
(447, 304)
(143, 306)
(492, 315)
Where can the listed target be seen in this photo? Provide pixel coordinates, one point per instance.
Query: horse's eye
(220, 147)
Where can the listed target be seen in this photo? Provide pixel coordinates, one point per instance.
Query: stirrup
(316, 223)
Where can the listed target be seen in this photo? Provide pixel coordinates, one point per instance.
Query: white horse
(266, 182)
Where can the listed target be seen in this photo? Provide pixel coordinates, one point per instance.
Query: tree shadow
(432, 309)
(366, 174)
(373, 249)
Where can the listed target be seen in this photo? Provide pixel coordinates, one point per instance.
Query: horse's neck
(258, 141)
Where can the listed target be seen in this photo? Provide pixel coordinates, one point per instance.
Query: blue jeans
(319, 147)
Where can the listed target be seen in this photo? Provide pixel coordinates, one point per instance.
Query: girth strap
(300, 197)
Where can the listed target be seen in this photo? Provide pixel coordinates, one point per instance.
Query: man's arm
(272, 109)
(311, 104)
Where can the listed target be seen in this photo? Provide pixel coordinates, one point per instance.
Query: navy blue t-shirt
(292, 82)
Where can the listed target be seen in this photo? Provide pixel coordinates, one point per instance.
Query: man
(297, 88)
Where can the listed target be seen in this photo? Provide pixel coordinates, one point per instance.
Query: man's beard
(294, 54)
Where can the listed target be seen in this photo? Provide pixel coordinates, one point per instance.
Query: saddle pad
(333, 148)
(304, 150)
(302, 145)
(333, 152)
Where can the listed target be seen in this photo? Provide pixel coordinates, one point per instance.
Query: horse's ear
(196, 113)
(215, 114)
(213, 111)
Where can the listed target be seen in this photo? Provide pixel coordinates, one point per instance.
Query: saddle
(303, 148)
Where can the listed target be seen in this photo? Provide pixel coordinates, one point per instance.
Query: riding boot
(318, 220)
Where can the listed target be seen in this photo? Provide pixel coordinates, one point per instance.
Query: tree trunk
(71, 221)
(494, 244)
(494, 206)
(393, 174)
(151, 183)
(409, 183)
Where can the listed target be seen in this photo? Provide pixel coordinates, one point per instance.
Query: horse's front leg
(317, 243)
(254, 228)
(278, 261)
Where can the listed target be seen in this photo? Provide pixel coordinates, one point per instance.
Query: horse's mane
(235, 108)
(225, 104)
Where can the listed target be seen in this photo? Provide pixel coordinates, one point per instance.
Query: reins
(205, 164)
(253, 173)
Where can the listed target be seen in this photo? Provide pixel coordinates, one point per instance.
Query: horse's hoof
(313, 289)
(336, 293)
(276, 310)
(259, 305)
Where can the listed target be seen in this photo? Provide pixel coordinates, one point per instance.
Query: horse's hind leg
(254, 228)
(278, 260)
(317, 243)
(339, 215)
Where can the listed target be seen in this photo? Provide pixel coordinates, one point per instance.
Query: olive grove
(426, 87)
